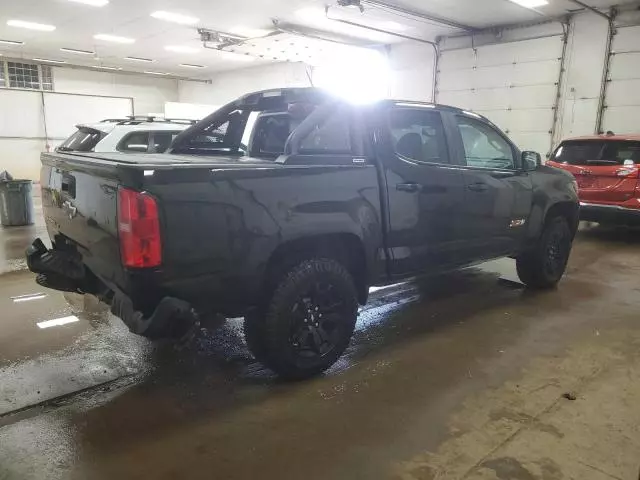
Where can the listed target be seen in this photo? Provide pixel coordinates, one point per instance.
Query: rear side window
(134, 142)
(270, 135)
(331, 137)
(417, 134)
(84, 140)
(162, 140)
(597, 152)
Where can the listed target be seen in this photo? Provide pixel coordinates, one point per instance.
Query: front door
(498, 194)
(425, 190)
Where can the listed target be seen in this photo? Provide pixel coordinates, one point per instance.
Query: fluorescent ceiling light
(531, 3)
(79, 52)
(191, 65)
(47, 60)
(57, 322)
(156, 73)
(113, 38)
(31, 25)
(181, 49)
(175, 18)
(139, 59)
(103, 67)
(93, 3)
(391, 25)
(11, 42)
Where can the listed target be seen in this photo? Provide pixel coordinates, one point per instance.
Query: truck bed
(220, 217)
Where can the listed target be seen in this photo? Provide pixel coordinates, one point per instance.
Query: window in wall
(26, 75)
(47, 77)
(418, 135)
(483, 146)
(23, 75)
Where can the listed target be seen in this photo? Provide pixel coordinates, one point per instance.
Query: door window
(331, 137)
(484, 147)
(417, 134)
(134, 142)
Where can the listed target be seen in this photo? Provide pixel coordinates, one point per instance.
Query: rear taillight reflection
(138, 229)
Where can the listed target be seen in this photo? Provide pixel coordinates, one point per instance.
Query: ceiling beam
(592, 9)
(424, 16)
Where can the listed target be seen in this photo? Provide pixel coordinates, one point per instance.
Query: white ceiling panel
(488, 13)
(77, 23)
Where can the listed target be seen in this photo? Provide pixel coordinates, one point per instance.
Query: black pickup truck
(285, 206)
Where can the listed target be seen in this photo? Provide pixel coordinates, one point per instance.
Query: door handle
(478, 187)
(408, 187)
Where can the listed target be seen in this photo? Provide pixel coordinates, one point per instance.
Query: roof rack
(138, 119)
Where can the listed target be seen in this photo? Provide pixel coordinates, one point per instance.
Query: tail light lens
(138, 229)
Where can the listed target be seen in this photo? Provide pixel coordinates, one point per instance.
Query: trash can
(16, 203)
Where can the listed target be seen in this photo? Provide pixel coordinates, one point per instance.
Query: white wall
(149, 93)
(584, 63)
(228, 86)
(411, 65)
(22, 142)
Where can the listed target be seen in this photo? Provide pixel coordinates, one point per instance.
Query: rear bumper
(594, 212)
(65, 272)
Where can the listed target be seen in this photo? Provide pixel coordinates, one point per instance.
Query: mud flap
(172, 318)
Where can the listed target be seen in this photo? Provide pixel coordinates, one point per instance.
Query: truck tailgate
(80, 210)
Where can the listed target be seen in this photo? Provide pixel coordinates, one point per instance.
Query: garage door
(622, 100)
(513, 84)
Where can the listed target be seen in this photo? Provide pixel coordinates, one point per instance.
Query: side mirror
(531, 161)
(629, 163)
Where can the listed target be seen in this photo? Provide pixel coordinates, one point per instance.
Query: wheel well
(568, 210)
(346, 248)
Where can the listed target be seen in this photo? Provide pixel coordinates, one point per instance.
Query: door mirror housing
(531, 161)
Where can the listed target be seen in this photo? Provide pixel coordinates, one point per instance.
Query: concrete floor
(457, 377)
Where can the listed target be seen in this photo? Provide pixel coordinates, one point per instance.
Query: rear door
(606, 170)
(425, 190)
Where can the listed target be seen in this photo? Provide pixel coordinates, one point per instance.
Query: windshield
(597, 152)
(84, 140)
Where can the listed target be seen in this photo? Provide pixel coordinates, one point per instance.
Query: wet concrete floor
(457, 377)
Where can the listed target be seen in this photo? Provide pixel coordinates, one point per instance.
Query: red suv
(606, 168)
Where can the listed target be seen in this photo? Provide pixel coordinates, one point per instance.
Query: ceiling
(77, 23)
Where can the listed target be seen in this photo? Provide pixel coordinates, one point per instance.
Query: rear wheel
(309, 320)
(544, 265)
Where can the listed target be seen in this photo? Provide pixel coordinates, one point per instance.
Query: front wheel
(308, 321)
(544, 265)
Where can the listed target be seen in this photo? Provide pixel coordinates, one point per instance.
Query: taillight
(138, 229)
